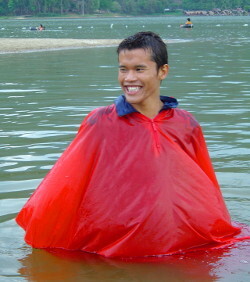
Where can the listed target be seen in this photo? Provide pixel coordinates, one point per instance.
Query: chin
(132, 99)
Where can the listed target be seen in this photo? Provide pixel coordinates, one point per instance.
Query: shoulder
(186, 117)
(99, 116)
(187, 125)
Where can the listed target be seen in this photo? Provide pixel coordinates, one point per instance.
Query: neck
(150, 110)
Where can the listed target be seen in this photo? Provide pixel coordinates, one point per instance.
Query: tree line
(126, 7)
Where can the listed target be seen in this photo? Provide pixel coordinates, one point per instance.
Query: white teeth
(133, 89)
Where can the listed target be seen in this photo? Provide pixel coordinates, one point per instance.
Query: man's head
(142, 67)
(147, 40)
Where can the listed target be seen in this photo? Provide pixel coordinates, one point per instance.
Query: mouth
(132, 90)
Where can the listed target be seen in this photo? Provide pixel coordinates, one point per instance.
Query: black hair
(147, 40)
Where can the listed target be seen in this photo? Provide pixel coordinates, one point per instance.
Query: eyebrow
(141, 66)
(137, 66)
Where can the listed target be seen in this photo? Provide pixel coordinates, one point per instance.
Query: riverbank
(167, 13)
(13, 45)
(16, 45)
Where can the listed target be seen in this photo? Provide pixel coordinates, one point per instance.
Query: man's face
(139, 78)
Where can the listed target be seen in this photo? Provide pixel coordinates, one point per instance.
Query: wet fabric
(130, 186)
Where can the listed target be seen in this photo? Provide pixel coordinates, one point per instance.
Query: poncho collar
(124, 108)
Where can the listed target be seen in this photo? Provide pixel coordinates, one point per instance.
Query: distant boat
(187, 25)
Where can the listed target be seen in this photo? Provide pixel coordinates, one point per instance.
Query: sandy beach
(12, 45)
(17, 45)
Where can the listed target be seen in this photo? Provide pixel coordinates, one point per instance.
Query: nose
(130, 76)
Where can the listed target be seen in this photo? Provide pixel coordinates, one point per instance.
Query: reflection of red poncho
(130, 186)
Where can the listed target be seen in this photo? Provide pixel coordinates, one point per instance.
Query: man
(188, 22)
(137, 179)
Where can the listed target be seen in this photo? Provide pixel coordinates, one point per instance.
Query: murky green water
(45, 95)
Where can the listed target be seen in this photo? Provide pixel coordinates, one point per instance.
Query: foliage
(130, 7)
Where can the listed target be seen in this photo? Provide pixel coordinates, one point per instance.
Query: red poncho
(130, 186)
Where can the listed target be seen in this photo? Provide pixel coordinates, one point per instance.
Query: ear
(163, 71)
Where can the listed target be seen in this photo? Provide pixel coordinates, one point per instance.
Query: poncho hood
(124, 108)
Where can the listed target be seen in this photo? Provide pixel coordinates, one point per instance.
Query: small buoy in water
(143, 26)
(169, 25)
(2, 28)
(245, 24)
(23, 27)
(126, 26)
(59, 27)
(218, 25)
(91, 27)
(111, 26)
(79, 26)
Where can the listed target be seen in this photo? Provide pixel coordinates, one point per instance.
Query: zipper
(155, 134)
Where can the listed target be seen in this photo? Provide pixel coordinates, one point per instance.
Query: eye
(140, 69)
(122, 69)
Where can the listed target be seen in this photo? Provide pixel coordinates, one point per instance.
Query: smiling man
(140, 79)
(137, 179)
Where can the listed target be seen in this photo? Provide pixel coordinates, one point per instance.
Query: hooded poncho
(130, 186)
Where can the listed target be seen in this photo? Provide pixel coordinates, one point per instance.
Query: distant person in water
(188, 22)
(41, 27)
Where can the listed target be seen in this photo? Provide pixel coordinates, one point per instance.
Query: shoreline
(183, 13)
(25, 45)
(17, 45)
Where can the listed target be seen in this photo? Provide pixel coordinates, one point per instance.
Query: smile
(132, 89)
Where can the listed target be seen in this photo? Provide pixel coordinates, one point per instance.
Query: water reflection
(57, 265)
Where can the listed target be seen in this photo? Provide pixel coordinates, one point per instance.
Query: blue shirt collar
(124, 108)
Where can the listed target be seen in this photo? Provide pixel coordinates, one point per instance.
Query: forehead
(139, 54)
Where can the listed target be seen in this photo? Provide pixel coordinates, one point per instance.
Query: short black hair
(147, 40)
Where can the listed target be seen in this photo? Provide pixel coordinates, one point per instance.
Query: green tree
(105, 4)
(132, 7)
(91, 6)
(11, 5)
(116, 7)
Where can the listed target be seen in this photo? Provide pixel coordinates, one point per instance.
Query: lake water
(45, 95)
